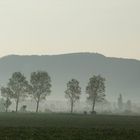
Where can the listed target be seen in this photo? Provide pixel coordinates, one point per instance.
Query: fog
(122, 77)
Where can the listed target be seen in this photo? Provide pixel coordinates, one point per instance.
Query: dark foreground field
(68, 127)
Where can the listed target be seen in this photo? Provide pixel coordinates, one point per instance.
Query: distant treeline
(39, 87)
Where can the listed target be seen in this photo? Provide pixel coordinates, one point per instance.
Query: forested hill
(122, 75)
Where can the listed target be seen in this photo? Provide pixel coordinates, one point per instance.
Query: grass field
(68, 127)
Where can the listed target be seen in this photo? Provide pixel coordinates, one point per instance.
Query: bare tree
(40, 84)
(18, 86)
(96, 90)
(73, 92)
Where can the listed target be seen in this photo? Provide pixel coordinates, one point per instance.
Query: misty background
(122, 76)
(33, 28)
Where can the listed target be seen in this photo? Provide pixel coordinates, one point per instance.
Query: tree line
(39, 86)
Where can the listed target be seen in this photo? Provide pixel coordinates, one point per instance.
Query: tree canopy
(73, 92)
(40, 86)
(96, 90)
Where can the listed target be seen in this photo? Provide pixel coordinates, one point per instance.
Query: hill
(122, 75)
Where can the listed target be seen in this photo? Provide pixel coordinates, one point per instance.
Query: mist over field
(122, 77)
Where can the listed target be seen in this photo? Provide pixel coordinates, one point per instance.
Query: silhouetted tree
(7, 104)
(18, 86)
(120, 102)
(73, 92)
(7, 94)
(96, 90)
(2, 106)
(40, 86)
(128, 105)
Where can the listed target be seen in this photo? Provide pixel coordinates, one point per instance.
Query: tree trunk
(93, 105)
(6, 105)
(17, 104)
(37, 107)
(6, 109)
(71, 107)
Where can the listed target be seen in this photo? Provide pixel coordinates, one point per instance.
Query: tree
(6, 93)
(73, 92)
(7, 104)
(96, 90)
(18, 86)
(129, 105)
(2, 107)
(40, 86)
(120, 102)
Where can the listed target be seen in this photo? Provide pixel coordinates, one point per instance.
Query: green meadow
(17, 126)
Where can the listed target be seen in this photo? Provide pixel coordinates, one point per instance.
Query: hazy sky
(110, 27)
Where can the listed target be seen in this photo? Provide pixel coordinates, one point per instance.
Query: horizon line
(70, 53)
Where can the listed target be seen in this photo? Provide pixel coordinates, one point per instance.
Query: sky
(109, 27)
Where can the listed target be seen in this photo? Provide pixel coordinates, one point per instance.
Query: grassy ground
(68, 127)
